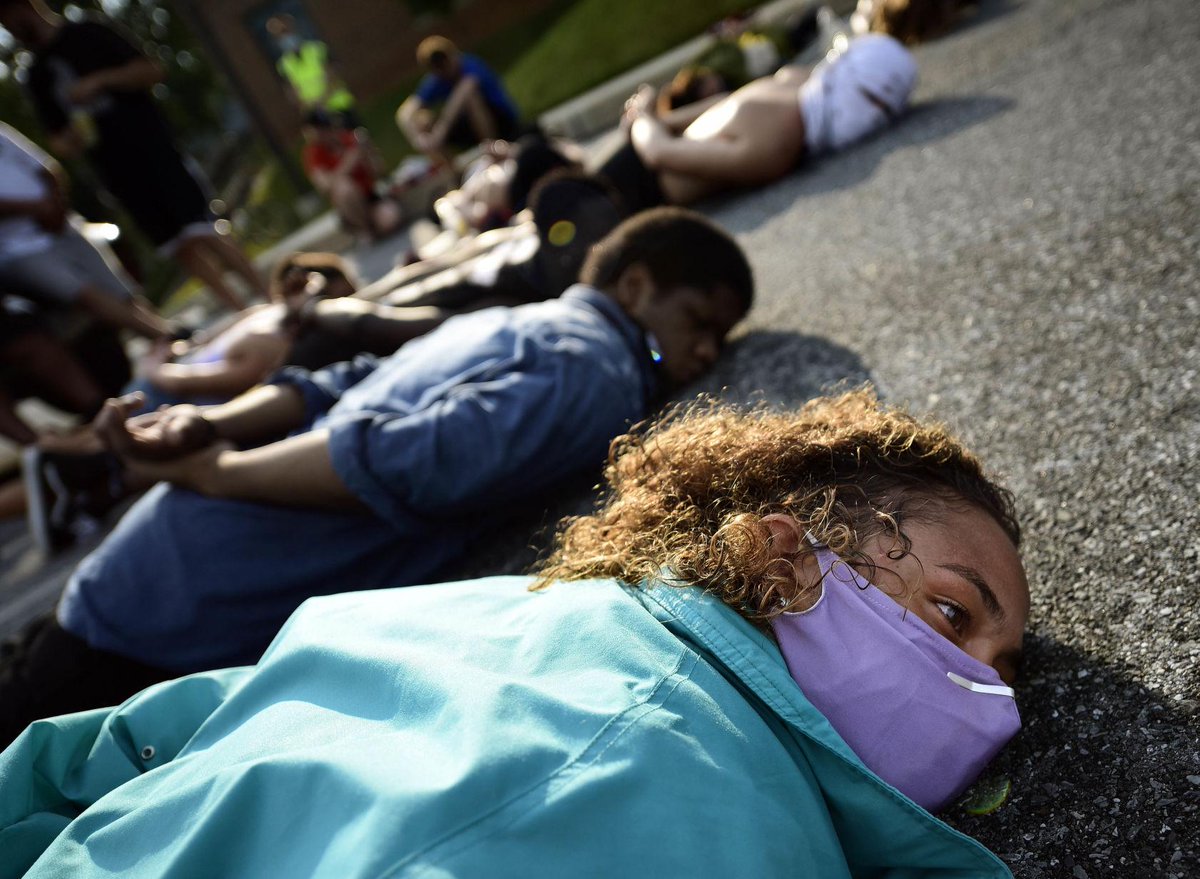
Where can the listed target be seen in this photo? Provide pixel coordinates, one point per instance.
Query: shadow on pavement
(782, 369)
(30, 583)
(988, 11)
(925, 122)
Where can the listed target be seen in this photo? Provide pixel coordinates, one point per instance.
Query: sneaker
(47, 504)
(68, 494)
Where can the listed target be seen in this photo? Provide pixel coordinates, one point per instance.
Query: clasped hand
(175, 444)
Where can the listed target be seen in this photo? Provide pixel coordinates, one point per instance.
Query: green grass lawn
(595, 40)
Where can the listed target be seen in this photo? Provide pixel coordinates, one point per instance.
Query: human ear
(784, 546)
(784, 533)
(635, 288)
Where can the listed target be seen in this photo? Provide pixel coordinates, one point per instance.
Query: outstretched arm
(391, 286)
(681, 117)
(296, 471)
(247, 363)
(406, 121)
(179, 432)
(268, 475)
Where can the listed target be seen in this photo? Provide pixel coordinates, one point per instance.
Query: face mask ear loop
(825, 572)
(976, 687)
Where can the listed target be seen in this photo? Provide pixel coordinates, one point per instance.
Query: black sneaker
(68, 494)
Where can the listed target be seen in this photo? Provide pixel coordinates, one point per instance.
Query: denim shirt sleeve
(323, 387)
(488, 441)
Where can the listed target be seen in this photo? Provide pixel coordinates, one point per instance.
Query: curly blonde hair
(689, 492)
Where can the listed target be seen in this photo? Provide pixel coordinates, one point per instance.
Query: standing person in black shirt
(90, 88)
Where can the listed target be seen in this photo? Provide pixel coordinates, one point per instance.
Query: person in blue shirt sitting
(460, 102)
(389, 468)
(780, 644)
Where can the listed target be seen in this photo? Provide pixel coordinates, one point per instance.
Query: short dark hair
(435, 51)
(534, 157)
(316, 117)
(680, 248)
(686, 88)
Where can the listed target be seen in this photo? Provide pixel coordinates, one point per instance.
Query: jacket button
(148, 752)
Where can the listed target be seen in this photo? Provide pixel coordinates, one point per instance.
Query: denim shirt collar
(633, 335)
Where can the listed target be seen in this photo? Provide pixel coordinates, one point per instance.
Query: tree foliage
(196, 97)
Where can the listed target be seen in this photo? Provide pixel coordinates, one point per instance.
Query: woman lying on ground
(760, 132)
(780, 641)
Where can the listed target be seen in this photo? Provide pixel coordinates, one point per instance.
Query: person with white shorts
(762, 131)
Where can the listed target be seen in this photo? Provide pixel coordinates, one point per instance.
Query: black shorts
(637, 185)
(534, 157)
(47, 671)
(462, 133)
(162, 190)
(347, 119)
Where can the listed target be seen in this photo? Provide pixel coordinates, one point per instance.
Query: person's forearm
(389, 327)
(67, 143)
(681, 117)
(139, 74)
(205, 379)
(718, 159)
(406, 118)
(294, 472)
(260, 413)
(391, 285)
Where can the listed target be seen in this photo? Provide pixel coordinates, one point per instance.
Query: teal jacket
(472, 730)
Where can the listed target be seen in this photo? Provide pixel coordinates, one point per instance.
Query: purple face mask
(919, 712)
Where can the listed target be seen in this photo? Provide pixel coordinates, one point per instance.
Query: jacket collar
(752, 662)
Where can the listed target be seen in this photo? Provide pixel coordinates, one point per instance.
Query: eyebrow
(973, 577)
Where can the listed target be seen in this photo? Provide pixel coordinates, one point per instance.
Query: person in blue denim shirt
(392, 466)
